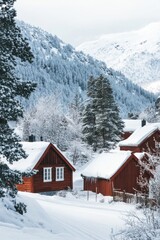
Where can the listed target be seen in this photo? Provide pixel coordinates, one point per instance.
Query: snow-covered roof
(106, 164)
(130, 125)
(34, 150)
(140, 135)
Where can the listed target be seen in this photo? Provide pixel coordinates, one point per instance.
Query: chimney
(32, 138)
(143, 123)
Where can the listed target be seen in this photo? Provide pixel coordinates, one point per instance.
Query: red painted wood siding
(127, 178)
(27, 186)
(149, 144)
(130, 148)
(102, 186)
(125, 135)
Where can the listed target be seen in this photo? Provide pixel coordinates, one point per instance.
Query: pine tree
(12, 47)
(102, 126)
(89, 125)
(108, 123)
(89, 115)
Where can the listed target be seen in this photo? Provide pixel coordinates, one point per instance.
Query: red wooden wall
(27, 185)
(98, 185)
(126, 178)
(126, 135)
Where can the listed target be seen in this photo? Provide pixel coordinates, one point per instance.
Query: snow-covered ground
(65, 216)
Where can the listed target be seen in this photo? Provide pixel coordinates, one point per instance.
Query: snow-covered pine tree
(102, 125)
(108, 123)
(89, 115)
(89, 129)
(12, 46)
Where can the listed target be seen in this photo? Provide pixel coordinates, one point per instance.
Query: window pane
(47, 174)
(60, 173)
(61, 176)
(57, 173)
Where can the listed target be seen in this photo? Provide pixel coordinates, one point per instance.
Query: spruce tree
(108, 123)
(12, 47)
(89, 115)
(106, 129)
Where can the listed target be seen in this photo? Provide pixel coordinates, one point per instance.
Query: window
(47, 174)
(59, 173)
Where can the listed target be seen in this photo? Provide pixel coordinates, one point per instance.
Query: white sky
(76, 21)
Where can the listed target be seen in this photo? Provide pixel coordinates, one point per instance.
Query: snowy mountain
(136, 54)
(60, 70)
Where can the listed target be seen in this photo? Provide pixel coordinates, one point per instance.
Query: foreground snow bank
(66, 216)
(30, 225)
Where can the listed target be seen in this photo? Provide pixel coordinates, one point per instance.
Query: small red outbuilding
(118, 170)
(54, 171)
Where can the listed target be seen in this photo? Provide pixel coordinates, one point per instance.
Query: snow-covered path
(80, 219)
(66, 218)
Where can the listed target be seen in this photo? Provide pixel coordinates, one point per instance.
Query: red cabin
(117, 170)
(54, 171)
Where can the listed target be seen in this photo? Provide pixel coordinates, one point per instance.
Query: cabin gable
(53, 161)
(54, 173)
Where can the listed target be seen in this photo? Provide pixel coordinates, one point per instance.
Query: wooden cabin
(144, 139)
(54, 171)
(117, 170)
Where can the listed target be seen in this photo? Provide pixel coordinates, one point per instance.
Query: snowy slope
(60, 70)
(63, 218)
(136, 54)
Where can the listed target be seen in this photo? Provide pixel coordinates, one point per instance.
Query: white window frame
(47, 174)
(59, 174)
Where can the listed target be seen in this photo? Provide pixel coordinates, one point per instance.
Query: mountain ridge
(61, 70)
(136, 54)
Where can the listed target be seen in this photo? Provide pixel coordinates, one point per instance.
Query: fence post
(136, 197)
(113, 195)
(96, 194)
(145, 200)
(87, 195)
(124, 196)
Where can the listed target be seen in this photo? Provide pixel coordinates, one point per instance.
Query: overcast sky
(76, 21)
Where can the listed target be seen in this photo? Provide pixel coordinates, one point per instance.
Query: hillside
(61, 70)
(136, 54)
